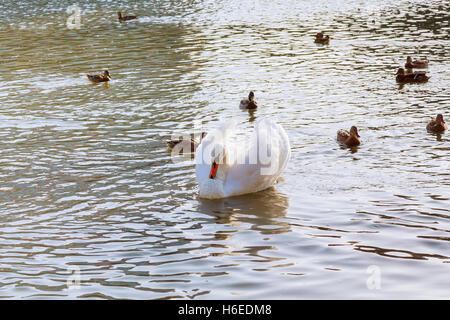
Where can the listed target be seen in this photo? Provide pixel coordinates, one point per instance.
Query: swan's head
(212, 161)
(218, 158)
(210, 169)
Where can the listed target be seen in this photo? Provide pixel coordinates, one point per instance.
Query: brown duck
(349, 138)
(125, 18)
(437, 125)
(322, 39)
(413, 77)
(100, 77)
(249, 103)
(416, 63)
(185, 144)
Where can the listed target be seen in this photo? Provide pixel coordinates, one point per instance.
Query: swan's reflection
(262, 210)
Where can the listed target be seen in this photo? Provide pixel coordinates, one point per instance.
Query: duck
(225, 168)
(125, 18)
(321, 39)
(349, 138)
(100, 77)
(182, 145)
(414, 77)
(416, 63)
(249, 103)
(437, 125)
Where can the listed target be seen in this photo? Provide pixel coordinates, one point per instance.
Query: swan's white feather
(246, 169)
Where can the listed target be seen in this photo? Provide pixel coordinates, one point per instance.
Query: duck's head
(354, 132)
(251, 96)
(119, 14)
(106, 74)
(408, 59)
(319, 35)
(400, 72)
(440, 119)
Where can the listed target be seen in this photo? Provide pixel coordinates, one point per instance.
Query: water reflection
(352, 150)
(399, 254)
(262, 210)
(87, 179)
(252, 115)
(103, 84)
(437, 135)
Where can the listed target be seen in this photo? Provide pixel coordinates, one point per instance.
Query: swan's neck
(221, 175)
(214, 188)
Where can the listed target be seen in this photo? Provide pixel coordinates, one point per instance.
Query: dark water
(89, 189)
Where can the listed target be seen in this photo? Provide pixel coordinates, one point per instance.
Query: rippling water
(88, 185)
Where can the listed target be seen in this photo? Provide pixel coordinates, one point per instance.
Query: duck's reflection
(263, 210)
(252, 116)
(438, 137)
(104, 84)
(351, 149)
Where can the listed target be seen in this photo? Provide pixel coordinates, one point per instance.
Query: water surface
(88, 184)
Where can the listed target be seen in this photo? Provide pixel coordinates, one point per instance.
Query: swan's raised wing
(271, 143)
(262, 162)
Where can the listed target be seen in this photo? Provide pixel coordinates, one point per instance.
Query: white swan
(225, 168)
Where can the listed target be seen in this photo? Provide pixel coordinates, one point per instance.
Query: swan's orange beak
(213, 172)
